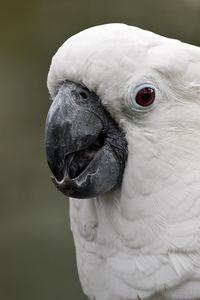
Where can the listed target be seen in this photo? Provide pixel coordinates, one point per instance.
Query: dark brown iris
(145, 96)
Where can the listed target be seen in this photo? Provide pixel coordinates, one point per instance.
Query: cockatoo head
(119, 91)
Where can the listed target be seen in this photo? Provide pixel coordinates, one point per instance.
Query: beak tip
(64, 185)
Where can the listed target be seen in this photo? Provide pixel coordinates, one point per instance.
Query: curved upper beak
(78, 150)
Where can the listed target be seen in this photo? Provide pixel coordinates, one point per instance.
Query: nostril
(83, 95)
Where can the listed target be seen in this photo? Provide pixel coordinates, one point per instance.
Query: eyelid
(143, 85)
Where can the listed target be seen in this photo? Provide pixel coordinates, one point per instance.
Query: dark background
(37, 258)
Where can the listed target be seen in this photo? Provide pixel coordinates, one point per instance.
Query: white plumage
(141, 241)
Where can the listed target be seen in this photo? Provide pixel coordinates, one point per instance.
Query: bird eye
(145, 96)
(142, 97)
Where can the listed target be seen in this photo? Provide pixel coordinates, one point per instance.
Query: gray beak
(86, 150)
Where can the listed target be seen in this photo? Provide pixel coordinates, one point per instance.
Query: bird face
(118, 91)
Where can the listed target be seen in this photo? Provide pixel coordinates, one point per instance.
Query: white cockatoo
(123, 142)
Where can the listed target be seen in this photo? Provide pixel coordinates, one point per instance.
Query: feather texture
(141, 241)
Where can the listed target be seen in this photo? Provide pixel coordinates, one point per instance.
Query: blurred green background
(37, 258)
